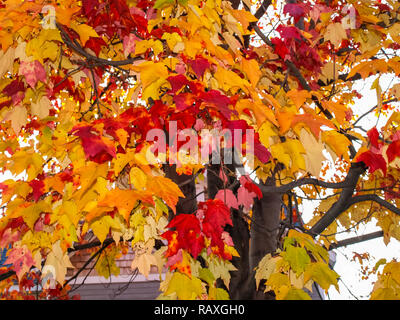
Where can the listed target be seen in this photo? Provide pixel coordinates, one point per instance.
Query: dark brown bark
(264, 233)
(188, 187)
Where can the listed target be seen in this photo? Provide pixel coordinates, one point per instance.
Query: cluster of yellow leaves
(387, 287)
(201, 283)
(294, 269)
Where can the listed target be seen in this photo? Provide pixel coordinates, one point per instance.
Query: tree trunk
(264, 233)
(188, 187)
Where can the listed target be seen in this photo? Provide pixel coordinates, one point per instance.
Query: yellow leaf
(265, 268)
(148, 70)
(41, 107)
(43, 46)
(295, 294)
(85, 31)
(31, 213)
(266, 132)
(57, 263)
(101, 227)
(337, 142)
(138, 178)
(18, 117)
(185, 288)
(314, 156)
(172, 40)
(142, 46)
(322, 274)
(378, 90)
(6, 61)
(144, 259)
(290, 153)
(335, 33)
(229, 80)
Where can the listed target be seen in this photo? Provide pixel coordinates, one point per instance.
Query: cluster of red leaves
(102, 15)
(374, 159)
(189, 231)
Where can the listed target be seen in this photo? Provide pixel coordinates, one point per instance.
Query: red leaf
(373, 136)
(373, 161)
(245, 197)
(294, 9)
(184, 101)
(246, 182)
(15, 90)
(280, 47)
(96, 148)
(189, 233)
(227, 196)
(261, 152)
(393, 150)
(289, 32)
(216, 216)
(199, 66)
(38, 188)
(95, 44)
(177, 82)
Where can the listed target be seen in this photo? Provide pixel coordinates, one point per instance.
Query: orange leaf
(125, 200)
(165, 189)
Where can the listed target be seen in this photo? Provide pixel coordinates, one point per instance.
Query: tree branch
(375, 198)
(106, 243)
(344, 201)
(354, 240)
(303, 181)
(75, 46)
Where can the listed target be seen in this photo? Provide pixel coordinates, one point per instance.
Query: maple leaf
(33, 72)
(166, 189)
(180, 261)
(335, 33)
(125, 200)
(322, 274)
(189, 235)
(296, 10)
(227, 196)
(216, 216)
(97, 148)
(177, 82)
(38, 188)
(185, 288)
(373, 161)
(393, 150)
(199, 66)
(21, 260)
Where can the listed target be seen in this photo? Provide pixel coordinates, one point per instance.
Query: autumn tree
(105, 109)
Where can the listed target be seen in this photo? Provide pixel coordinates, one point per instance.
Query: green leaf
(322, 274)
(185, 288)
(206, 275)
(296, 294)
(218, 294)
(159, 4)
(297, 258)
(379, 263)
